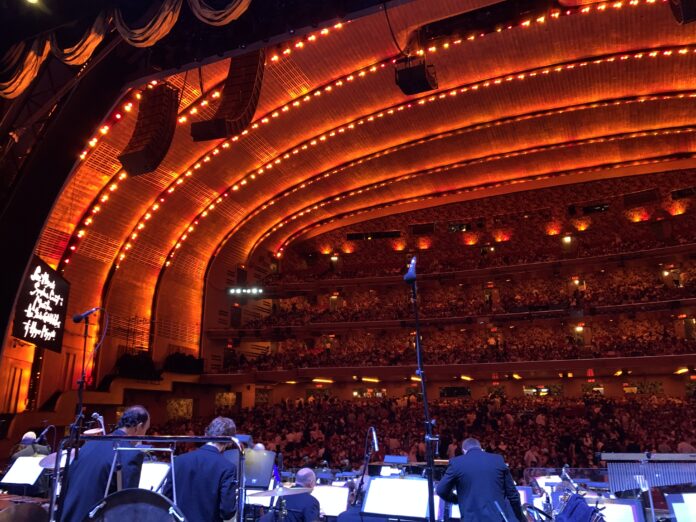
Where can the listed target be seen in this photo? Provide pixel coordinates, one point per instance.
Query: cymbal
(49, 461)
(93, 431)
(281, 492)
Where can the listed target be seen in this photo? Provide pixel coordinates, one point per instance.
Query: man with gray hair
(484, 487)
(206, 482)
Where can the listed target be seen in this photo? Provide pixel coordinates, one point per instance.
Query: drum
(135, 505)
(24, 513)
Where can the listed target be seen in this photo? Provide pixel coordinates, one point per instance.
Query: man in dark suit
(89, 473)
(303, 507)
(484, 486)
(206, 482)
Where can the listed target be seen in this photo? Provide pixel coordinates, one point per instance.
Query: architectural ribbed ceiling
(602, 89)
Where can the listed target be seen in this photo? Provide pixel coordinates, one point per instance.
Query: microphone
(42, 437)
(375, 446)
(100, 420)
(410, 276)
(78, 318)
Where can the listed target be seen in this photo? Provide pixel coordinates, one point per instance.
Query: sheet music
(25, 470)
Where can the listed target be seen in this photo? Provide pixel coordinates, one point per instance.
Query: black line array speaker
(683, 10)
(414, 76)
(240, 96)
(154, 130)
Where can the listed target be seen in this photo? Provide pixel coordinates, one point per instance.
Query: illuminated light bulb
(81, 233)
(324, 31)
(148, 216)
(127, 107)
(275, 58)
(182, 119)
(299, 45)
(104, 129)
(216, 94)
(204, 103)
(92, 142)
(104, 198)
(287, 51)
(122, 176)
(141, 226)
(193, 111)
(235, 187)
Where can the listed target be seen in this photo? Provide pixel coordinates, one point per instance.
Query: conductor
(485, 489)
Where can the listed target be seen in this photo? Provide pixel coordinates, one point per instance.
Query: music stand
(22, 475)
(401, 499)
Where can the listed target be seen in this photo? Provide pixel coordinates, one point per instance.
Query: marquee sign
(41, 307)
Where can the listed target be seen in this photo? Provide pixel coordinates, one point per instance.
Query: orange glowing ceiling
(600, 89)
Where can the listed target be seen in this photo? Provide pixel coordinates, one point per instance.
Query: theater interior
(228, 207)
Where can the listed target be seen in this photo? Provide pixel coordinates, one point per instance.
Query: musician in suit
(484, 486)
(303, 507)
(206, 482)
(89, 473)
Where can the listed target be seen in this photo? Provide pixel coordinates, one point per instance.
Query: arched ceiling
(598, 88)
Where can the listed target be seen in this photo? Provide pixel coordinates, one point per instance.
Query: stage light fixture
(466, 378)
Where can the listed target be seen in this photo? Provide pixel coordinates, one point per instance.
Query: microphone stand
(366, 463)
(73, 442)
(410, 279)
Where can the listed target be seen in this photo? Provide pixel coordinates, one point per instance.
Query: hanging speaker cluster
(154, 130)
(239, 98)
(415, 75)
(684, 11)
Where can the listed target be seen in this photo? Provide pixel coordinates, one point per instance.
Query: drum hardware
(136, 505)
(50, 461)
(280, 491)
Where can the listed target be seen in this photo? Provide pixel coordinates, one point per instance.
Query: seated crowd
(486, 233)
(543, 340)
(614, 286)
(529, 432)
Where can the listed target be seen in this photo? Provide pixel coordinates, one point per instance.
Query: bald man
(303, 507)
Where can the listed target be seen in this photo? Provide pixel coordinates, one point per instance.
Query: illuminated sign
(41, 307)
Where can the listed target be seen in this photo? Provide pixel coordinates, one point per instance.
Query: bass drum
(135, 505)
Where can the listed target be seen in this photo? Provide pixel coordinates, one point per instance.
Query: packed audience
(507, 294)
(543, 340)
(529, 432)
(486, 233)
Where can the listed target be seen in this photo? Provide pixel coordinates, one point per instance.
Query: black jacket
(301, 508)
(89, 474)
(481, 479)
(206, 485)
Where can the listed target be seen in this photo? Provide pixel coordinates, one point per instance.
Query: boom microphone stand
(410, 279)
